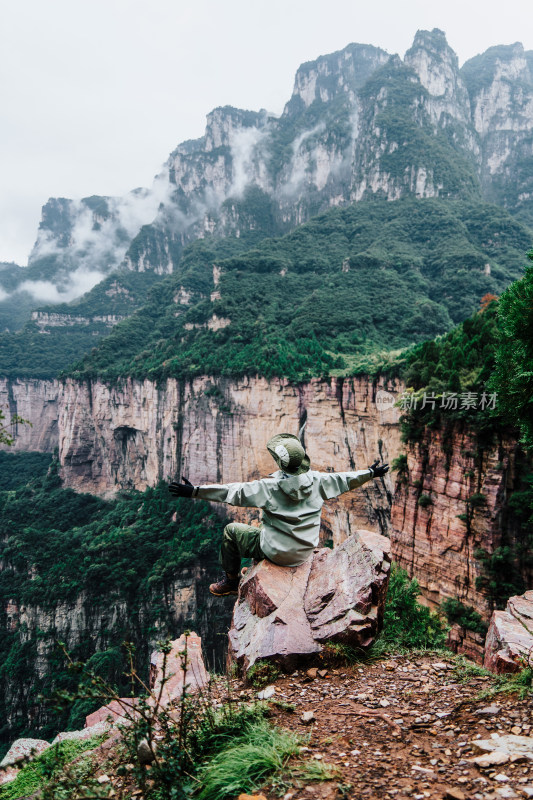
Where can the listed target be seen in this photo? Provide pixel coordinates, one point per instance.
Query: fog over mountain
(360, 124)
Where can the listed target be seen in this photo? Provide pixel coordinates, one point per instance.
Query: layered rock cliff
(449, 503)
(37, 402)
(131, 435)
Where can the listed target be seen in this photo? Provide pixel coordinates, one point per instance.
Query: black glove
(378, 469)
(184, 489)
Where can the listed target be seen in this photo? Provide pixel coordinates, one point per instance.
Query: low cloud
(301, 158)
(100, 241)
(77, 283)
(97, 242)
(245, 148)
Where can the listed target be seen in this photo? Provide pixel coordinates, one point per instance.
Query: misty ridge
(361, 124)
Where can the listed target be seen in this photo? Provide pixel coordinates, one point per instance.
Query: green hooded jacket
(291, 506)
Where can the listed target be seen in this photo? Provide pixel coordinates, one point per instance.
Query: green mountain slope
(60, 547)
(63, 333)
(376, 275)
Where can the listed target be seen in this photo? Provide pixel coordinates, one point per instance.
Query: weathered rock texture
(111, 712)
(214, 431)
(509, 642)
(37, 402)
(467, 643)
(23, 749)
(181, 669)
(87, 626)
(448, 502)
(286, 615)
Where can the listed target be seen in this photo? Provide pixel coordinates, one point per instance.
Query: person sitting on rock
(291, 500)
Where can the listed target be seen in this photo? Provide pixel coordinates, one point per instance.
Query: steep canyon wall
(89, 624)
(113, 437)
(450, 502)
(38, 402)
(132, 435)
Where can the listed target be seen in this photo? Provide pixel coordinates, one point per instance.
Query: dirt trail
(419, 747)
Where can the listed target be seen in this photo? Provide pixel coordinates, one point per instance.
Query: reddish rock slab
(509, 645)
(24, 749)
(466, 642)
(112, 711)
(269, 620)
(184, 666)
(287, 614)
(521, 608)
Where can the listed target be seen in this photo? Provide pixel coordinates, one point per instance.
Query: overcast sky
(96, 93)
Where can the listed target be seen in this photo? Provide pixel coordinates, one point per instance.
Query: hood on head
(297, 487)
(288, 453)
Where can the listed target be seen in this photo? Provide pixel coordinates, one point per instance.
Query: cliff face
(88, 625)
(500, 84)
(215, 431)
(448, 502)
(36, 401)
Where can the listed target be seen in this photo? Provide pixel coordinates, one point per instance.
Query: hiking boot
(225, 586)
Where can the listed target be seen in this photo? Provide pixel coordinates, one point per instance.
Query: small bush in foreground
(34, 775)
(262, 673)
(248, 761)
(407, 624)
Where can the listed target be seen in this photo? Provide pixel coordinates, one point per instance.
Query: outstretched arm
(253, 494)
(332, 484)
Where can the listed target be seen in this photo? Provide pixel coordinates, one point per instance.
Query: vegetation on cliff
(371, 276)
(487, 359)
(59, 549)
(513, 378)
(442, 373)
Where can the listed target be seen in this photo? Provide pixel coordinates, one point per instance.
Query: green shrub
(37, 773)
(513, 377)
(465, 616)
(500, 577)
(407, 624)
(477, 500)
(425, 500)
(262, 673)
(399, 464)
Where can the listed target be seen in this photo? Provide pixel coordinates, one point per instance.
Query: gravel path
(406, 727)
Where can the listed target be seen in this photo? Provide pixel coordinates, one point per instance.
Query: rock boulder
(509, 642)
(287, 614)
(184, 665)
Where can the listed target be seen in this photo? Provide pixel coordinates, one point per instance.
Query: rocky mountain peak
(359, 123)
(223, 122)
(327, 76)
(437, 67)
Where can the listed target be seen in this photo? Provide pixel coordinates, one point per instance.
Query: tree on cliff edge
(513, 378)
(5, 435)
